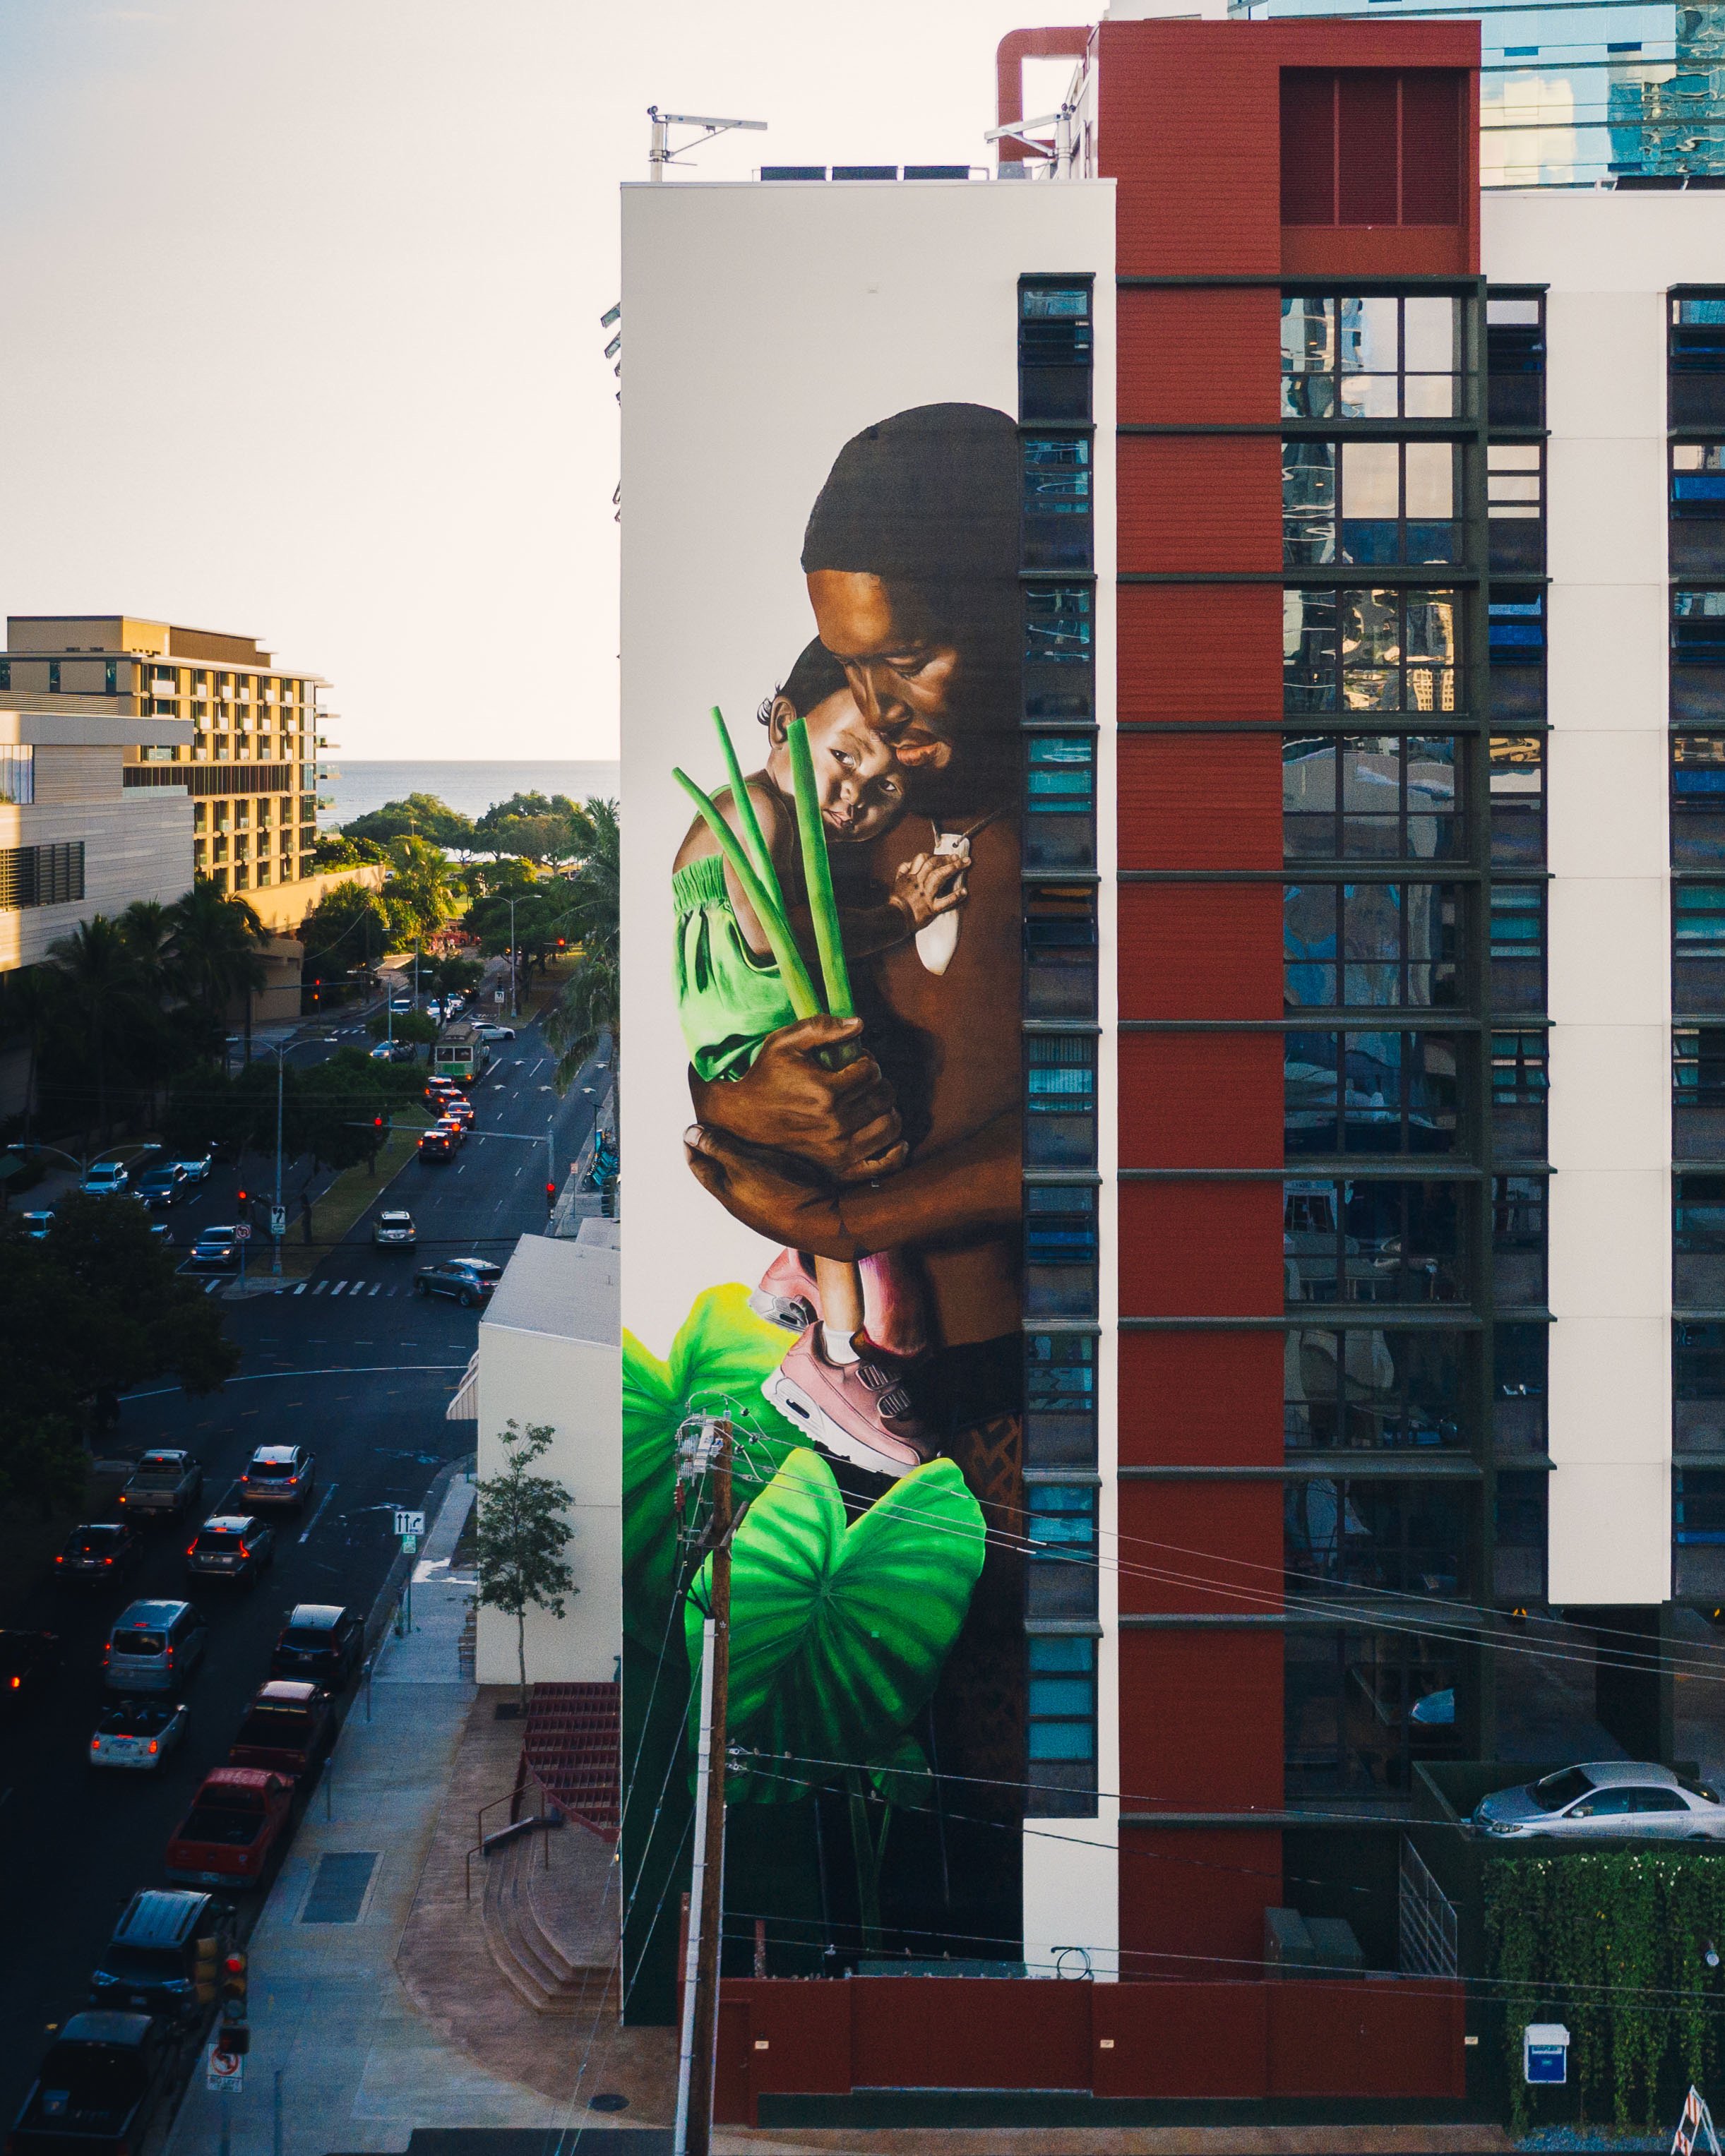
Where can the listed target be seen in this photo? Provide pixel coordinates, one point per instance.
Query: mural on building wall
(845, 962)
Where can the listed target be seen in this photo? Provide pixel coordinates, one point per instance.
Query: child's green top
(727, 998)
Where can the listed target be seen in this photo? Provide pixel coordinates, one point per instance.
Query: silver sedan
(1606, 1799)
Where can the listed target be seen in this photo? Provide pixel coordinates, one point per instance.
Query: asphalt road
(361, 1369)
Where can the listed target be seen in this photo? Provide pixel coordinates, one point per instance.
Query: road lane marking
(318, 1514)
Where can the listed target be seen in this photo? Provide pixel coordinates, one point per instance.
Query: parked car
(29, 1664)
(166, 1482)
(486, 1032)
(437, 1143)
(103, 1550)
(166, 1955)
(216, 1249)
(279, 1475)
(322, 1641)
(469, 1280)
(1618, 1799)
(231, 1545)
(154, 1646)
(393, 1051)
(163, 1186)
(138, 1734)
(287, 1728)
(36, 1225)
(106, 1180)
(196, 1166)
(394, 1230)
(101, 2083)
(229, 1834)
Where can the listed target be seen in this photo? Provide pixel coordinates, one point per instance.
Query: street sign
(278, 1220)
(409, 1545)
(409, 1523)
(224, 2071)
(243, 1232)
(1545, 2052)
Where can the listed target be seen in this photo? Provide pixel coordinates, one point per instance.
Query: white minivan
(154, 1646)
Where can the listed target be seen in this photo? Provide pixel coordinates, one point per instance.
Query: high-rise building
(1291, 580)
(245, 750)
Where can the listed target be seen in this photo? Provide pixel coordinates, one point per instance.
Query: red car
(287, 1725)
(227, 1837)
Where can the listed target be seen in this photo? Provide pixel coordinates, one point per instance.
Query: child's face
(856, 774)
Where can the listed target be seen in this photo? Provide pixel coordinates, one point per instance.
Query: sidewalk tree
(522, 1535)
(422, 891)
(347, 931)
(591, 1003)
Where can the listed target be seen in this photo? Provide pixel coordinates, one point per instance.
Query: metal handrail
(512, 1798)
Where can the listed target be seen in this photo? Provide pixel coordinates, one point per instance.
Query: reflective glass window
(1369, 502)
(1365, 1390)
(1347, 356)
(1518, 947)
(1381, 1536)
(1519, 1538)
(1060, 1100)
(1518, 784)
(1698, 655)
(1060, 1527)
(1698, 1385)
(1699, 948)
(1519, 1087)
(1352, 796)
(1061, 1704)
(1057, 502)
(1372, 1240)
(1060, 651)
(1515, 506)
(1698, 359)
(1698, 1241)
(1059, 799)
(1349, 1696)
(1061, 1249)
(1061, 1399)
(1365, 944)
(1364, 651)
(1697, 801)
(1518, 1244)
(1515, 360)
(1369, 1093)
(1519, 1366)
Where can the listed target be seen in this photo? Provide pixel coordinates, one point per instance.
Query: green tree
(340, 849)
(422, 886)
(87, 1313)
(522, 1535)
(31, 1002)
(340, 1112)
(540, 828)
(218, 951)
(591, 1003)
(104, 999)
(419, 816)
(347, 931)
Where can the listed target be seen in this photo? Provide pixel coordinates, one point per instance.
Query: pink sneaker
(787, 1295)
(858, 1410)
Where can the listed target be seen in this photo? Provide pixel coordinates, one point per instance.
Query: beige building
(550, 1353)
(207, 720)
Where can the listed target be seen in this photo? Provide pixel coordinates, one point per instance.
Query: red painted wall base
(1274, 2039)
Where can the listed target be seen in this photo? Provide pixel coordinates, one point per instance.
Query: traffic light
(239, 1197)
(234, 1986)
(551, 1196)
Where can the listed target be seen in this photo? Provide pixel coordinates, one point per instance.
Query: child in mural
(859, 1326)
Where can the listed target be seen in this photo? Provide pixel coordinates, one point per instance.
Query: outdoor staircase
(574, 1971)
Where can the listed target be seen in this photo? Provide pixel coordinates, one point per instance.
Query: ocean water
(471, 787)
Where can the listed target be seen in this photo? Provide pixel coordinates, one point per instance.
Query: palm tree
(34, 998)
(217, 951)
(150, 929)
(103, 997)
(422, 883)
(591, 1004)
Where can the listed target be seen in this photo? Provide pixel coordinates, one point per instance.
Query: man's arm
(975, 1184)
(843, 1123)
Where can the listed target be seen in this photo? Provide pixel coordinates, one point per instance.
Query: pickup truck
(164, 1484)
(227, 1837)
(102, 2081)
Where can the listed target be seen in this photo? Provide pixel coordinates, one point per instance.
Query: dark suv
(165, 1956)
(320, 1641)
(469, 1280)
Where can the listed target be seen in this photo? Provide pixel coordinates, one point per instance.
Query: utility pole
(513, 1011)
(708, 1445)
(278, 1220)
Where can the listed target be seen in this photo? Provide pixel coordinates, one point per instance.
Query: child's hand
(931, 884)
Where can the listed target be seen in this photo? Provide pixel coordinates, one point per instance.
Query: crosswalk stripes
(320, 1288)
(300, 1289)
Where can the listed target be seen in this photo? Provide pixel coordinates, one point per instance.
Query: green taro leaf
(717, 1361)
(838, 1634)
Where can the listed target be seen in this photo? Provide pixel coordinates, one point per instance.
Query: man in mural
(912, 558)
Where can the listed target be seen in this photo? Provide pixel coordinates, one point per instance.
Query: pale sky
(299, 324)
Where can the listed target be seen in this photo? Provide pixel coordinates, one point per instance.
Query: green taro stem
(795, 974)
(746, 815)
(818, 874)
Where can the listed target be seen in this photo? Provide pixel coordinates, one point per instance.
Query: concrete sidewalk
(360, 2068)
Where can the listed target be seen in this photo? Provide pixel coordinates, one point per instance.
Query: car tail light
(107, 1560)
(153, 1744)
(16, 1682)
(191, 1549)
(59, 1560)
(95, 1743)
